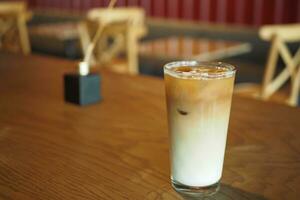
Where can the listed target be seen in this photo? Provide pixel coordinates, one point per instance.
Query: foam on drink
(198, 103)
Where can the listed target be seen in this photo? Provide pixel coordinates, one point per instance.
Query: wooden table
(118, 149)
(181, 47)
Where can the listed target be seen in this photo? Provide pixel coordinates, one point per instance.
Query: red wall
(246, 12)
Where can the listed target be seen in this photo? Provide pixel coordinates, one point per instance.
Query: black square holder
(82, 89)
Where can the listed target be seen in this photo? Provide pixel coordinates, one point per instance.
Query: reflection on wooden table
(192, 48)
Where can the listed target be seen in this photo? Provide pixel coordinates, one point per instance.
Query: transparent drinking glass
(198, 98)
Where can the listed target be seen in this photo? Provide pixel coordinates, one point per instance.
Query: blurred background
(169, 25)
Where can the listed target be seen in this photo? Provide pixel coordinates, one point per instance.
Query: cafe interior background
(239, 32)
(55, 145)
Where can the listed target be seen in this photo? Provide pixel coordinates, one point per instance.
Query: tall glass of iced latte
(198, 104)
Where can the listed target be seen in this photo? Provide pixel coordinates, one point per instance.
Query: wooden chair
(13, 29)
(278, 35)
(122, 28)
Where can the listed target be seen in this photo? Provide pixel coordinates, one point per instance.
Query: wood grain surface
(118, 149)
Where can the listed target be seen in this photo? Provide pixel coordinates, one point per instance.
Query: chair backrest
(13, 30)
(135, 15)
(12, 7)
(124, 25)
(279, 35)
